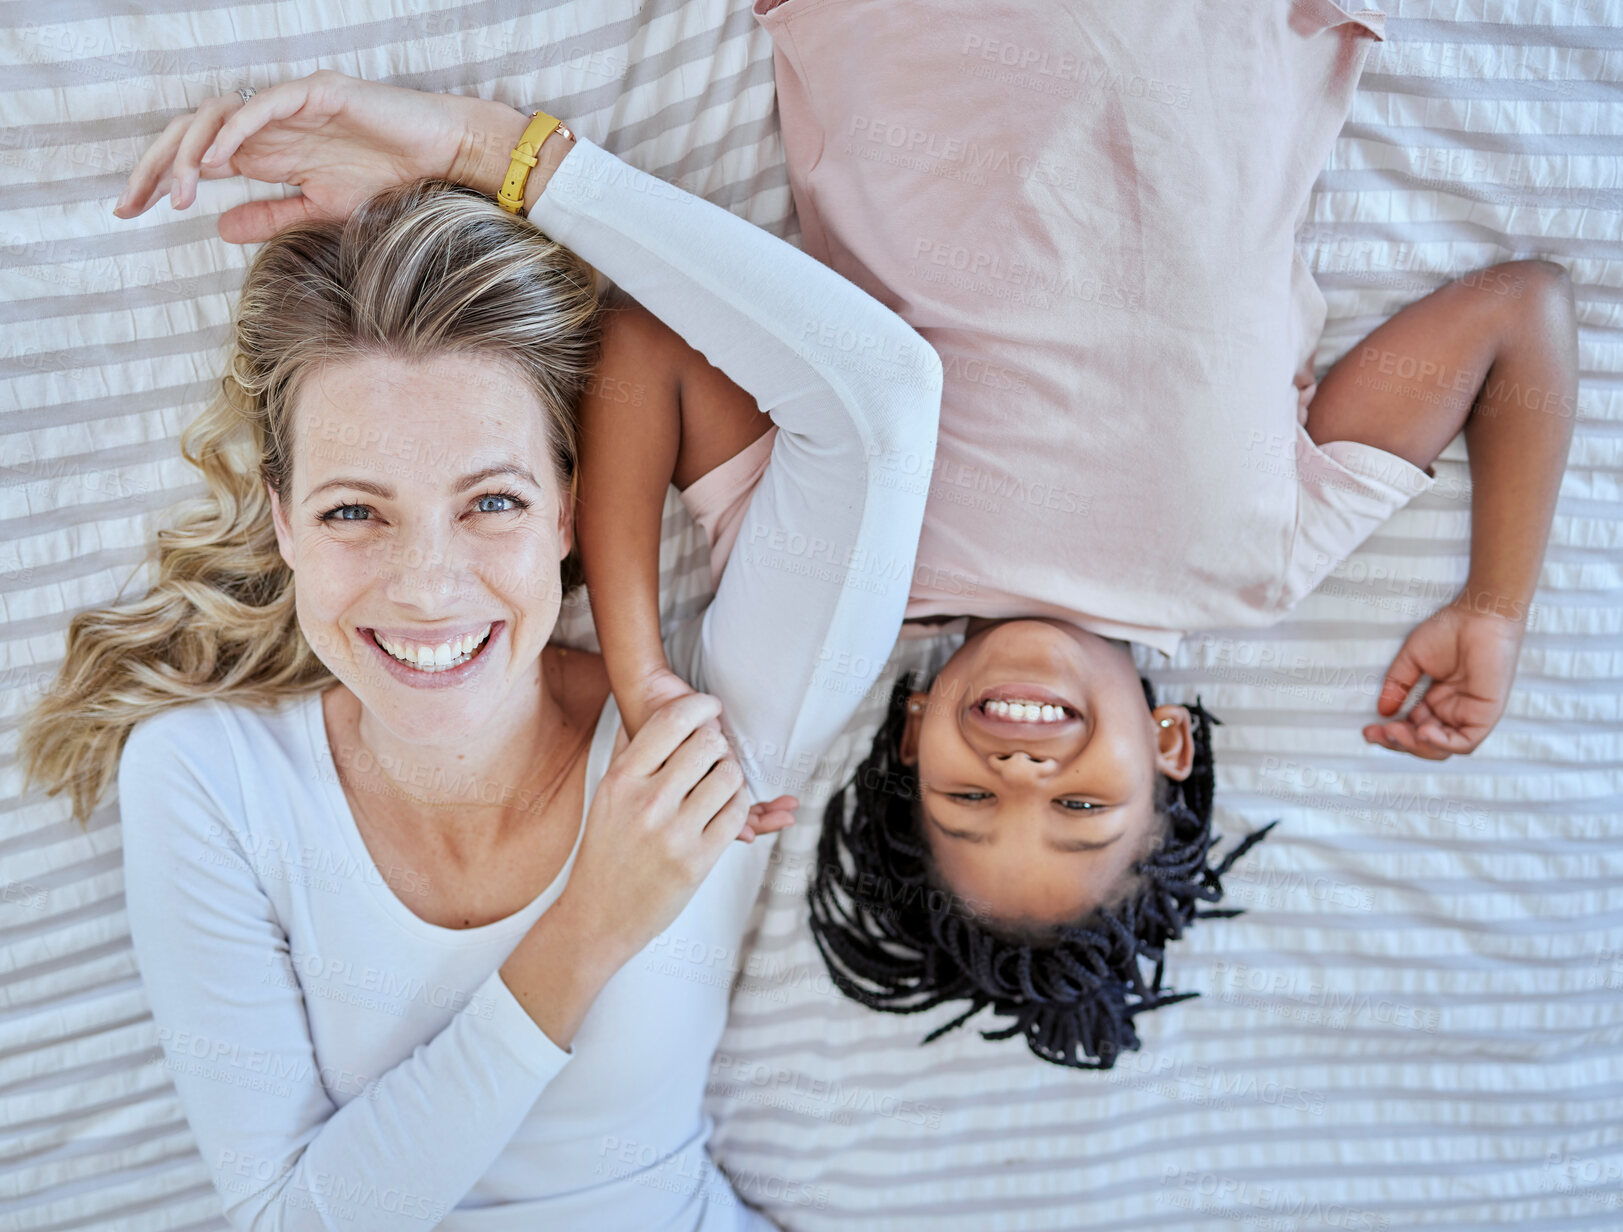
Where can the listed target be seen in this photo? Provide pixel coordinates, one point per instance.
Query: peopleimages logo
(1063, 74)
(1020, 276)
(912, 145)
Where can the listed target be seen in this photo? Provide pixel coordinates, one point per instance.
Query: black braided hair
(896, 939)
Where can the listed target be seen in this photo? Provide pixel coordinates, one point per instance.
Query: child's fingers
(1446, 740)
(772, 822)
(769, 817)
(1428, 726)
(1402, 676)
(1375, 733)
(1402, 738)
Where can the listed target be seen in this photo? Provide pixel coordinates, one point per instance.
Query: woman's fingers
(150, 167)
(720, 785)
(727, 823)
(189, 152)
(278, 102)
(704, 753)
(665, 731)
(201, 144)
(171, 163)
(255, 221)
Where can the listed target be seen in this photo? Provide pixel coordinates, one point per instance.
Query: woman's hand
(660, 687)
(1470, 656)
(668, 806)
(337, 138)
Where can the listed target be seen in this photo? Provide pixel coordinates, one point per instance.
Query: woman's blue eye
(347, 513)
(512, 503)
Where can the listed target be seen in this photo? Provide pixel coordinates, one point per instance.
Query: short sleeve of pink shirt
(1089, 209)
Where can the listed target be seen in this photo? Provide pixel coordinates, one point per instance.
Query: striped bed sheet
(1420, 1019)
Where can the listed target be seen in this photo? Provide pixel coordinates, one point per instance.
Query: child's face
(424, 509)
(1041, 821)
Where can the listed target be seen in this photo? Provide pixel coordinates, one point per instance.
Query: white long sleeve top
(345, 1064)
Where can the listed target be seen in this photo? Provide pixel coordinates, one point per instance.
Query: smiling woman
(354, 377)
(380, 838)
(372, 533)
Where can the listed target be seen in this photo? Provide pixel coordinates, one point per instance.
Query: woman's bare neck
(478, 791)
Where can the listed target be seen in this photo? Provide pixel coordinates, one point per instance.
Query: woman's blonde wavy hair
(421, 269)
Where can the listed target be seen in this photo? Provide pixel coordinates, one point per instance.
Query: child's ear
(1174, 742)
(284, 532)
(916, 702)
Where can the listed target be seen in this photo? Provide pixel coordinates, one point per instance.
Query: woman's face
(1040, 819)
(424, 526)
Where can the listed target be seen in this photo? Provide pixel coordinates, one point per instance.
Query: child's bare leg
(655, 412)
(1494, 353)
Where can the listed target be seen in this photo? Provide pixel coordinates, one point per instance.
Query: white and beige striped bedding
(1420, 1021)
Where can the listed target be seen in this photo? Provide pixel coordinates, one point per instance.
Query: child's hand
(770, 817)
(653, 690)
(663, 686)
(1471, 659)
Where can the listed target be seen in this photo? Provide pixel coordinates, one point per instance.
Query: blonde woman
(428, 940)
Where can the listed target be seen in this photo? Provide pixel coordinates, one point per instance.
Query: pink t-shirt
(1089, 210)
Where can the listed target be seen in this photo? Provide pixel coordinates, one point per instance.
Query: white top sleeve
(230, 1013)
(812, 599)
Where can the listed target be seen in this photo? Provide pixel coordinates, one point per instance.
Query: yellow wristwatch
(525, 155)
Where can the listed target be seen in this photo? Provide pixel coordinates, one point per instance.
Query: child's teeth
(1026, 711)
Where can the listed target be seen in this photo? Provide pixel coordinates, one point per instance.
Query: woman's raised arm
(813, 595)
(812, 599)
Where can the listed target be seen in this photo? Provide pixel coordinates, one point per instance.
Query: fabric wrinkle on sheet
(1091, 216)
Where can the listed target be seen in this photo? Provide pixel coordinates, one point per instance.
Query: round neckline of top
(338, 804)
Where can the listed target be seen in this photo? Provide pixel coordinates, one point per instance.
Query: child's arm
(655, 413)
(1496, 353)
(630, 428)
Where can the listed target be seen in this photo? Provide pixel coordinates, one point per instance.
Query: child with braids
(1088, 210)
